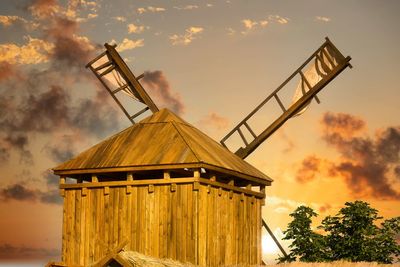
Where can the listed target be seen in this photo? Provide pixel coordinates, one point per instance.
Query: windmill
(326, 63)
(164, 188)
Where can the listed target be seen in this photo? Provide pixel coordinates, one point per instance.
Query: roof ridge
(184, 140)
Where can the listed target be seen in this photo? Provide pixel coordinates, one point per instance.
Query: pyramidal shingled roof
(160, 140)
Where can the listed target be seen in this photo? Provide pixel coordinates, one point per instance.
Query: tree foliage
(351, 235)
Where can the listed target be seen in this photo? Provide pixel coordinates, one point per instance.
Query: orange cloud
(214, 120)
(34, 52)
(367, 165)
(186, 38)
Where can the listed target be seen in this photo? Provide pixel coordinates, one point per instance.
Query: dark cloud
(342, 124)
(6, 71)
(69, 50)
(11, 252)
(52, 180)
(51, 197)
(18, 192)
(61, 150)
(366, 164)
(160, 90)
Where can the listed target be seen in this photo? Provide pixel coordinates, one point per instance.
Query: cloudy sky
(211, 62)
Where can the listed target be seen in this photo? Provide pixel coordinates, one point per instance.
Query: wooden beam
(129, 77)
(183, 180)
(262, 181)
(113, 253)
(274, 238)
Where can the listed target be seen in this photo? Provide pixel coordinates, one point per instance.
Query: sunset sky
(211, 62)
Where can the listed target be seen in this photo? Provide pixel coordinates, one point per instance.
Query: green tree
(351, 235)
(307, 245)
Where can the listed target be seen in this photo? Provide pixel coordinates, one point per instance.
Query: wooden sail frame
(287, 113)
(131, 85)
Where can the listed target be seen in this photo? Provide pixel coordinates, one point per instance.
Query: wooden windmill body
(165, 189)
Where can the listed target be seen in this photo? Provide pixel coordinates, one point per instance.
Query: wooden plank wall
(229, 228)
(187, 222)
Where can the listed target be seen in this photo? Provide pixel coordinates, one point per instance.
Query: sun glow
(268, 245)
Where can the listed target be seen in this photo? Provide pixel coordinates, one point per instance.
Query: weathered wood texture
(162, 139)
(189, 222)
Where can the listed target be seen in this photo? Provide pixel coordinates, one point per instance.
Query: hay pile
(139, 260)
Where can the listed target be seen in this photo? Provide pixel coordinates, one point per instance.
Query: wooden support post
(196, 174)
(106, 190)
(262, 190)
(231, 183)
(196, 186)
(84, 191)
(94, 178)
(151, 188)
(129, 177)
(62, 181)
(173, 187)
(167, 175)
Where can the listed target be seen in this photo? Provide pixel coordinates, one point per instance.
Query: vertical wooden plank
(143, 217)
(64, 228)
(156, 222)
(163, 217)
(71, 246)
(148, 222)
(128, 221)
(107, 218)
(83, 228)
(202, 224)
(184, 221)
(102, 227)
(134, 221)
(121, 212)
(173, 217)
(115, 216)
(178, 229)
(259, 231)
(240, 230)
(87, 225)
(210, 227)
(77, 227)
(187, 220)
(195, 232)
(93, 223)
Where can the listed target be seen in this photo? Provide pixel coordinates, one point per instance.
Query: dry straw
(139, 260)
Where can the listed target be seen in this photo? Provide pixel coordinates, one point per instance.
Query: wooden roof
(160, 141)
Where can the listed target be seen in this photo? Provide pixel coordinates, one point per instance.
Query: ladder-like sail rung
(242, 136)
(102, 66)
(140, 112)
(123, 87)
(249, 129)
(280, 102)
(140, 76)
(95, 59)
(107, 71)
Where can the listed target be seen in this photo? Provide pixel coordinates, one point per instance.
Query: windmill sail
(117, 78)
(314, 74)
(324, 62)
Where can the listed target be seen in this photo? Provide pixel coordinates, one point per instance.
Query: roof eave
(260, 180)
